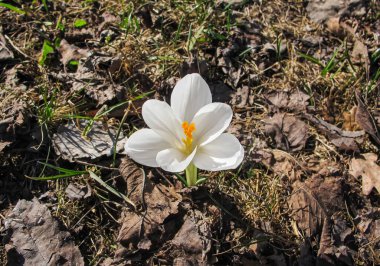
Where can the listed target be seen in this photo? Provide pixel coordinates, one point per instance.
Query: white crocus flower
(188, 134)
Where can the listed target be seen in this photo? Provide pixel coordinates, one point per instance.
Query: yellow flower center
(188, 129)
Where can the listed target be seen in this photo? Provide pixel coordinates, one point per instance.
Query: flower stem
(191, 175)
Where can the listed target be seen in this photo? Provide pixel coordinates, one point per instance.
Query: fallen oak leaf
(314, 200)
(368, 170)
(288, 132)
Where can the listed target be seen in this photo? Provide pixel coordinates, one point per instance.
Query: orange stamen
(188, 130)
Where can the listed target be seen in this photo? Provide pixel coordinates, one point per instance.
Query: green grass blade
(52, 177)
(200, 181)
(64, 173)
(330, 65)
(111, 189)
(182, 179)
(63, 170)
(310, 58)
(13, 8)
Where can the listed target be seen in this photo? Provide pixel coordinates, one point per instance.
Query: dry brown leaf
(288, 132)
(360, 53)
(71, 52)
(35, 238)
(334, 26)
(321, 10)
(349, 120)
(77, 192)
(141, 231)
(4, 144)
(193, 239)
(69, 143)
(344, 140)
(282, 163)
(293, 100)
(369, 224)
(364, 118)
(240, 98)
(368, 170)
(315, 200)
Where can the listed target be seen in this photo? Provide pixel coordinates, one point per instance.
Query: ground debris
(287, 100)
(34, 237)
(173, 224)
(315, 200)
(315, 206)
(158, 219)
(344, 140)
(365, 120)
(281, 163)
(71, 52)
(192, 242)
(242, 98)
(288, 132)
(369, 170)
(5, 54)
(368, 224)
(93, 76)
(322, 10)
(76, 193)
(69, 142)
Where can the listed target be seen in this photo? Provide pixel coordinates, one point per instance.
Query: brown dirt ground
(282, 73)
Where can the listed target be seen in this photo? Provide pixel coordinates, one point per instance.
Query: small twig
(16, 48)
(96, 165)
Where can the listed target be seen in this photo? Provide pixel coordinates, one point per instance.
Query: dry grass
(158, 53)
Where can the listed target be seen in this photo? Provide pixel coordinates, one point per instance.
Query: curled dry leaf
(369, 170)
(34, 238)
(142, 231)
(69, 143)
(365, 120)
(368, 224)
(71, 52)
(293, 100)
(288, 132)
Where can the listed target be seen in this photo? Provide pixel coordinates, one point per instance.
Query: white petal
(223, 153)
(143, 146)
(210, 122)
(173, 160)
(160, 117)
(189, 95)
